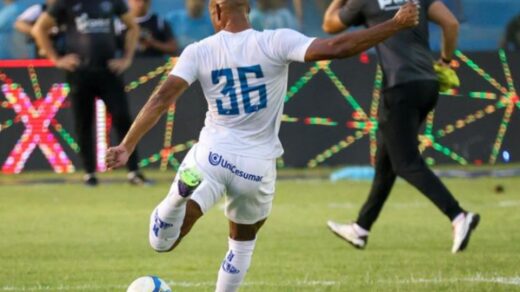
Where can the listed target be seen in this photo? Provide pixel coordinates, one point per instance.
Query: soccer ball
(149, 284)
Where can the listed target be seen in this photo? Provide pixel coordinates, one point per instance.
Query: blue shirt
(273, 19)
(186, 29)
(8, 15)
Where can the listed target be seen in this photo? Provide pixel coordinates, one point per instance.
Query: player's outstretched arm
(352, 43)
(152, 111)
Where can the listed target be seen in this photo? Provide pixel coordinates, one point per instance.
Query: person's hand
(68, 62)
(119, 66)
(117, 157)
(408, 15)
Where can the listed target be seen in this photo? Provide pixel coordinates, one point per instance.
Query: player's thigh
(251, 190)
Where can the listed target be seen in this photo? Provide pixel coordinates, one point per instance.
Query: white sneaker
(348, 233)
(462, 230)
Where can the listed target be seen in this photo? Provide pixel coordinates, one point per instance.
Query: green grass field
(65, 237)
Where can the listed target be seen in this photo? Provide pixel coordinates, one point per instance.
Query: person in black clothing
(410, 93)
(511, 39)
(92, 67)
(156, 38)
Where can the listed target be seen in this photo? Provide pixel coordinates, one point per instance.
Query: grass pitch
(66, 237)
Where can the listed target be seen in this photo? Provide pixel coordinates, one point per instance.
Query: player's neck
(237, 23)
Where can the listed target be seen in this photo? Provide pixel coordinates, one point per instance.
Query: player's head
(195, 8)
(223, 12)
(139, 7)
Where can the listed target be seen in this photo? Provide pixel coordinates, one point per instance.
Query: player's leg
(357, 233)
(241, 243)
(193, 192)
(249, 200)
(405, 118)
(83, 101)
(112, 91)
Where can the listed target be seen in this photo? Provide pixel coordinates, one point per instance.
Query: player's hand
(117, 157)
(120, 65)
(408, 15)
(68, 62)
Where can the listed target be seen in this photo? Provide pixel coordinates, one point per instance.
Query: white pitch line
(514, 281)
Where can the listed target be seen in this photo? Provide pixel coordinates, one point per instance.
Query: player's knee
(406, 168)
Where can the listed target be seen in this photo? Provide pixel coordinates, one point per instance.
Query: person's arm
(23, 27)
(349, 44)
(441, 15)
(131, 38)
(149, 115)
(298, 10)
(41, 33)
(332, 22)
(24, 23)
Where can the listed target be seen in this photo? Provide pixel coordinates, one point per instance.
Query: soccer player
(243, 74)
(410, 93)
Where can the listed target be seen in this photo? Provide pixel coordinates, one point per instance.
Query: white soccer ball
(149, 284)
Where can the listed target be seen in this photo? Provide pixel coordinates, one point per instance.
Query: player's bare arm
(352, 43)
(152, 111)
(41, 33)
(332, 22)
(131, 38)
(442, 16)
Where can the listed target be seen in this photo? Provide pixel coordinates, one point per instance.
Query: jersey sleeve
(352, 13)
(31, 14)
(58, 10)
(290, 46)
(120, 7)
(187, 65)
(428, 3)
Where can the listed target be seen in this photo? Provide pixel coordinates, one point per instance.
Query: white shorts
(248, 183)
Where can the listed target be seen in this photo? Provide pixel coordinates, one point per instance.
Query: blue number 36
(230, 91)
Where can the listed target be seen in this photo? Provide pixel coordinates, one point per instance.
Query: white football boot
(348, 233)
(462, 230)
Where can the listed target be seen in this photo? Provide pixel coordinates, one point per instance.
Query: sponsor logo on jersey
(87, 25)
(389, 5)
(216, 159)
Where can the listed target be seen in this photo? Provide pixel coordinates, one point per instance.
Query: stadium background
(331, 109)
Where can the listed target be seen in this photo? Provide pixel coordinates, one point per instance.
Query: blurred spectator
(191, 24)
(25, 22)
(310, 15)
(511, 39)
(93, 69)
(272, 14)
(156, 38)
(8, 14)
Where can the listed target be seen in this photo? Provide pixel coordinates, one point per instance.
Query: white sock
(235, 265)
(170, 211)
(360, 230)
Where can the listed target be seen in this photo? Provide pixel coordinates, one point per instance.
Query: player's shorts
(248, 184)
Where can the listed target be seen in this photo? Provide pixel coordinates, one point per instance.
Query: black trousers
(85, 86)
(402, 112)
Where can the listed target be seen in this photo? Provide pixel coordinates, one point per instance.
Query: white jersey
(244, 79)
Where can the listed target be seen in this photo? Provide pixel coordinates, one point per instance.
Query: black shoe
(90, 180)
(136, 178)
